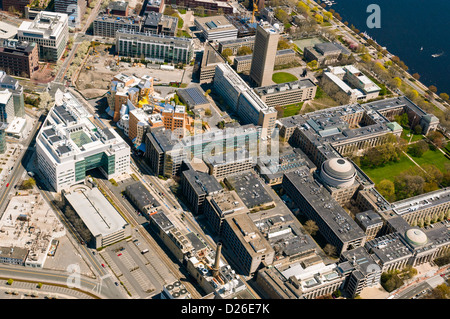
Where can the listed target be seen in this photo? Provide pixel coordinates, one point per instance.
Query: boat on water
(436, 55)
(421, 48)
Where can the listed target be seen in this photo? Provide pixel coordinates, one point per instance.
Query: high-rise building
(12, 85)
(6, 106)
(3, 127)
(264, 53)
(75, 9)
(50, 31)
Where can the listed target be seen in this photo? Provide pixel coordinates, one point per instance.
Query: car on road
(116, 283)
(103, 265)
(119, 255)
(7, 184)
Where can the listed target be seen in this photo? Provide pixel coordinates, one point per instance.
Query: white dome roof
(338, 172)
(416, 236)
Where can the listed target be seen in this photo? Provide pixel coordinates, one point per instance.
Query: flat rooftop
(250, 189)
(95, 210)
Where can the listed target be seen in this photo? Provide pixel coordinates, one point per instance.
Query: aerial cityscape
(242, 151)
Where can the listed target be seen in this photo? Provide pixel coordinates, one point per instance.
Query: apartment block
(19, 58)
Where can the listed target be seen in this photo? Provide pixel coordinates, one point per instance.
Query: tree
(432, 88)
(418, 149)
(311, 227)
(10, 282)
(244, 50)
(208, 112)
(418, 129)
(46, 100)
(412, 94)
(387, 189)
(330, 250)
(207, 92)
(407, 185)
(402, 120)
(319, 18)
(227, 52)
(416, 76)
(397, 82)
(283, 44)
(312, 64)
(444, 96)
(328, 15)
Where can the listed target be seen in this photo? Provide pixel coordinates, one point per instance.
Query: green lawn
(389, 171)
(416, 137)
(435, 158)
(283, 77)
(292, 109)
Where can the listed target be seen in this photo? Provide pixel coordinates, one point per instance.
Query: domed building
(416, 237)
(338, 172)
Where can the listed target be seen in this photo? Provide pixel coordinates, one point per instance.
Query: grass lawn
(435, 158)
(283, 77)
(292, 109)
(389, 171)
(416, 137)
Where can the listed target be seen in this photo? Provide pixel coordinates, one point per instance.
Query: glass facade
(100, 160)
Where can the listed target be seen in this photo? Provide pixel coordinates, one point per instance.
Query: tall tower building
(264, 53)
(3, 127)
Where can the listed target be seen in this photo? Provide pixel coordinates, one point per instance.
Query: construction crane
(255, 9)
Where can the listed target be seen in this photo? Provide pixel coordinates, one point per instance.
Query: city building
(216, 28)
(7, 113)
(246, 28)
(13, 255)
(250, 190)
(175, 290)
(157, 23)
(196, 186)
(264, 53)
(220, 167)
(118, 8)
(324, 53)
(106, 25)
(242, 237)
(348, 85)
(243, 100)
(153, 6)
(11, 84)
(75, 9)
(287, 93)
(194, 97)
(210, 59)
(209, 6)
(19, 58)
(370, 222)
(50, 31)
(140, 196)
(235, 44)
(69, 144)
(99, 216)
(176, 119)
(16, 129)
(316, 203)
(3, 127)
(243, 63)
(153, 47)
(19, 5)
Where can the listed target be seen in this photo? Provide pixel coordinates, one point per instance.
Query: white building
(50, 31)
(69, 144)
(216, 28)
(7, 113)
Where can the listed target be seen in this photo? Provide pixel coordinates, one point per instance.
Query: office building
(287, 93)
(196, 186)
(243, 238)
(98, 215)
(243, 63)
(75, 9)
(235, 44)
(153, 6)
(141, 197)
(154, 47)
(3, 127)
(7, 113)
(70, 144)
(176, 119)
(216, 28)
(118, 8)
(19, 58)
(11, 84)
(194, 97)
(50, 31)
(243, 100)
(19, 5)
(106, 25)
(348, 85)
(221, 168)
(264, 53)
(210, 6)
(317, 204)
(158, 23)
(370, 222)
(324, 53)
(210, 59)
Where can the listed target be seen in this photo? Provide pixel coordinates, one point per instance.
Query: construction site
(30, 224)
(102, 65)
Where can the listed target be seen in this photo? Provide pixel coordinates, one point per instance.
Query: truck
(144, 251)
